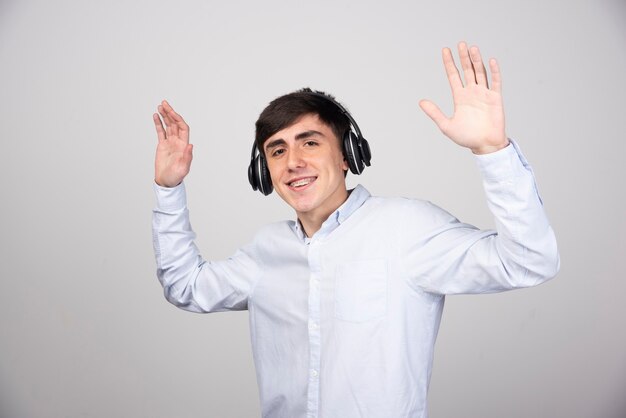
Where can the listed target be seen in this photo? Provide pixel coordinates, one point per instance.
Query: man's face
(307, 167)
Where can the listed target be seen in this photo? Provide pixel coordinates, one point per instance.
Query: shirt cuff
(505, 163)
(170, 198)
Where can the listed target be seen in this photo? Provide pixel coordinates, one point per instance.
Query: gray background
(84, 329)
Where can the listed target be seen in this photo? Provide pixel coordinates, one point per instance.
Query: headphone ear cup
(265, 181)
(259, 175)
(352, 152)
(251, 175)
(366, 153)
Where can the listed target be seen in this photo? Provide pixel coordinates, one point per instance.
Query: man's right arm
(188, 281)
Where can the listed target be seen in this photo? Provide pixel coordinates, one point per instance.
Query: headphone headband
(340, 106)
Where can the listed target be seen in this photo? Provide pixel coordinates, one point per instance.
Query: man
(345, 302)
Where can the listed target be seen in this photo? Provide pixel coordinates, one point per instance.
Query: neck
(312, 220)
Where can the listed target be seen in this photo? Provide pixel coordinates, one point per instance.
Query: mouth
(301, 183)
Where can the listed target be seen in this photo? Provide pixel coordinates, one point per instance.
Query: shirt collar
(355, 199)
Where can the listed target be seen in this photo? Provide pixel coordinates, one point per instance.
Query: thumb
(433, 112)
(187, 154)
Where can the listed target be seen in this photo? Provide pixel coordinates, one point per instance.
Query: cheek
(341, 163)
(274, 173)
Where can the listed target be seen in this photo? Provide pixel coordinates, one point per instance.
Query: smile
(301, 183)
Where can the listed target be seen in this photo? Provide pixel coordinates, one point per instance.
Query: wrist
(165, 185)
(488, 149)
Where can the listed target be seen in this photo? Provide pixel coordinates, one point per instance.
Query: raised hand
(478, 119)
(174, 152)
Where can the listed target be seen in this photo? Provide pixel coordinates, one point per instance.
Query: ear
(344, 165)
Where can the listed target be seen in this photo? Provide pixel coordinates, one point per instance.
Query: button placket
(314, 328)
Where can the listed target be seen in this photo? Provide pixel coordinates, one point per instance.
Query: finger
(159, 127)
(164, 114)
(183, 128)
(479, 67)
(451, 71)
(171, 127)
(496, 78)
(466, 64)
(433, 112)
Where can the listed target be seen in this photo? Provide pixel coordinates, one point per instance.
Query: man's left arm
(452, 257)
(522, 252)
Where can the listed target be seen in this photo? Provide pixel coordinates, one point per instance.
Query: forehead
(308, 122)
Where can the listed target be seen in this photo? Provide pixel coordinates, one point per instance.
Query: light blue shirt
(343, 324)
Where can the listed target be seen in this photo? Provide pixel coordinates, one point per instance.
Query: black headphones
(355, 149)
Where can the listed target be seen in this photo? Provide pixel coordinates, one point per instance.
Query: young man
(345, 302)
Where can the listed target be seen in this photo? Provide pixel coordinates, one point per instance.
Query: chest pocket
(361, 290)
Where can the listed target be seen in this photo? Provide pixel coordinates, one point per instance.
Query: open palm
(478, 119)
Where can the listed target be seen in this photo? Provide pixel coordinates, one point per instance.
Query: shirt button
(314, 373)
(313, 326)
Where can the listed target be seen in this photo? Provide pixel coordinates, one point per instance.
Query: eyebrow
(301, 136)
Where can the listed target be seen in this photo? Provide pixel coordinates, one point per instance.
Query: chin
(300, 206)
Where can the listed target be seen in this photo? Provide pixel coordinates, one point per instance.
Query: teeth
(301, 182)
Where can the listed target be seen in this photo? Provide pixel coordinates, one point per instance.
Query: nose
(295, 160)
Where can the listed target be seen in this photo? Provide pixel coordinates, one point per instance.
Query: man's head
(299, 135)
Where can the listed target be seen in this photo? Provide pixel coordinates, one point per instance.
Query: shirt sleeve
(188, 281)
(454, 258)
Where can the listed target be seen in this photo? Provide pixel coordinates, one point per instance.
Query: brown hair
(285, 110)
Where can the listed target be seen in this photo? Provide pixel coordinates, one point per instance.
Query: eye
(310, 143)
(277, 152)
